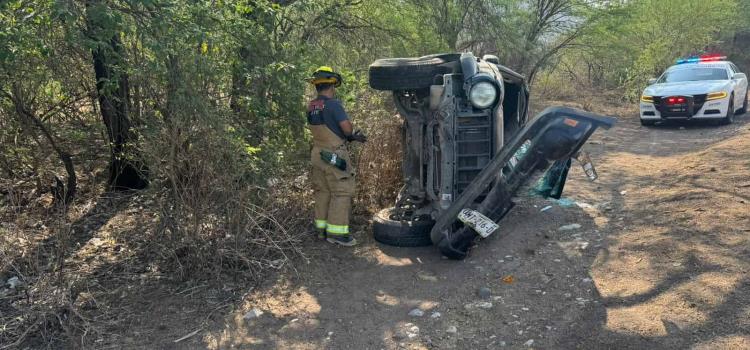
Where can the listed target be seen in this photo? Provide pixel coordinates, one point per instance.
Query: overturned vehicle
(468, 147)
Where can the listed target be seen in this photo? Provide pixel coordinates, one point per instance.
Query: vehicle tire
(743, 110)
(648, 122)
(401, 233)
(729, 118)
(408, 73)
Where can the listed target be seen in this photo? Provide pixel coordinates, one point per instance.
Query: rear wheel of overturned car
(729, 118)
(401, 233)
(392, 74)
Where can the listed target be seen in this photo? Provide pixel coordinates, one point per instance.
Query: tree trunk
(125, 170)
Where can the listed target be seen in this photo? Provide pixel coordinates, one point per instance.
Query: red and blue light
(702, 58)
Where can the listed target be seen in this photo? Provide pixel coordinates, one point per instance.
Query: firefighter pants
(333, 190)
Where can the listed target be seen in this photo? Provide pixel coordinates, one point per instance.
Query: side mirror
(652, 81)
(738, 76)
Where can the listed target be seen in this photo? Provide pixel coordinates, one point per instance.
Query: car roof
(716, 64)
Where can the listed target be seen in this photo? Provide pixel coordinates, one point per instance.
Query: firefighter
(332, 173)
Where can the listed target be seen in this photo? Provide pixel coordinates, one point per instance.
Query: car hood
(686, 88)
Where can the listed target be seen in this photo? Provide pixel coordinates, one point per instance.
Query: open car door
(553, 138)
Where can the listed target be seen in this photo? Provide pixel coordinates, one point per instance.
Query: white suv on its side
(707, 87)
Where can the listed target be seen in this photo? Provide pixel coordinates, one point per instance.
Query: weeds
(72, 266)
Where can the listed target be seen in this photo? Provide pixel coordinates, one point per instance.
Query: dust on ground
(660, 261)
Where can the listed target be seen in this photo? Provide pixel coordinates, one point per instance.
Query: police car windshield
(694, 74)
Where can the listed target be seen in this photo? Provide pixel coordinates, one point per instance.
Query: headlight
(483, 94)
(716, 95)
(649, 99)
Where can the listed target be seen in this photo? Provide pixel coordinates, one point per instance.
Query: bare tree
(450, 18)
(554, 26)
(527, 34)
(63, 192)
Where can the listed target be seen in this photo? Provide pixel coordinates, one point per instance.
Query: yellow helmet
(326, 75)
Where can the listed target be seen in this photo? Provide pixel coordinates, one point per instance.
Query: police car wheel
(648, 122)
(392, 74)
(730, 112)
(401, 233)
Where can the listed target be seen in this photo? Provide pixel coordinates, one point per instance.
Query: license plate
(477, 221)
(587, 165)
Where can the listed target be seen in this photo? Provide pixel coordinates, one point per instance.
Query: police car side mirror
(652, 81)
(738, 76)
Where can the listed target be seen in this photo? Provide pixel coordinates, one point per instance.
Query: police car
(707, 87)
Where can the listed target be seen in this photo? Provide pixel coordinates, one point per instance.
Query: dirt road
(660, 260)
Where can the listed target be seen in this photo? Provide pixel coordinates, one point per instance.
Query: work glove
(357, 136)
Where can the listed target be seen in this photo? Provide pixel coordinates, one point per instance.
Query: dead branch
(67, 192)
(21, 337)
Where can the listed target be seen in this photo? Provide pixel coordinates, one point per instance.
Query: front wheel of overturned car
(729, 118)
(401, 233)
(392, 74)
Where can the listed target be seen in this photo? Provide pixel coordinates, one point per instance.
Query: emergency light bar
(702, 58)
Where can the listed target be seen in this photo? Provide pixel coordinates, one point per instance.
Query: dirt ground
(660, 261)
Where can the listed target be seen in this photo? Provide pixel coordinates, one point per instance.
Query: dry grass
(206, 219)
(75, 265)
(379, 160)
(379, 174)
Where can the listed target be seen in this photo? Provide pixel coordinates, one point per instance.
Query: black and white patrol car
(707, 87)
